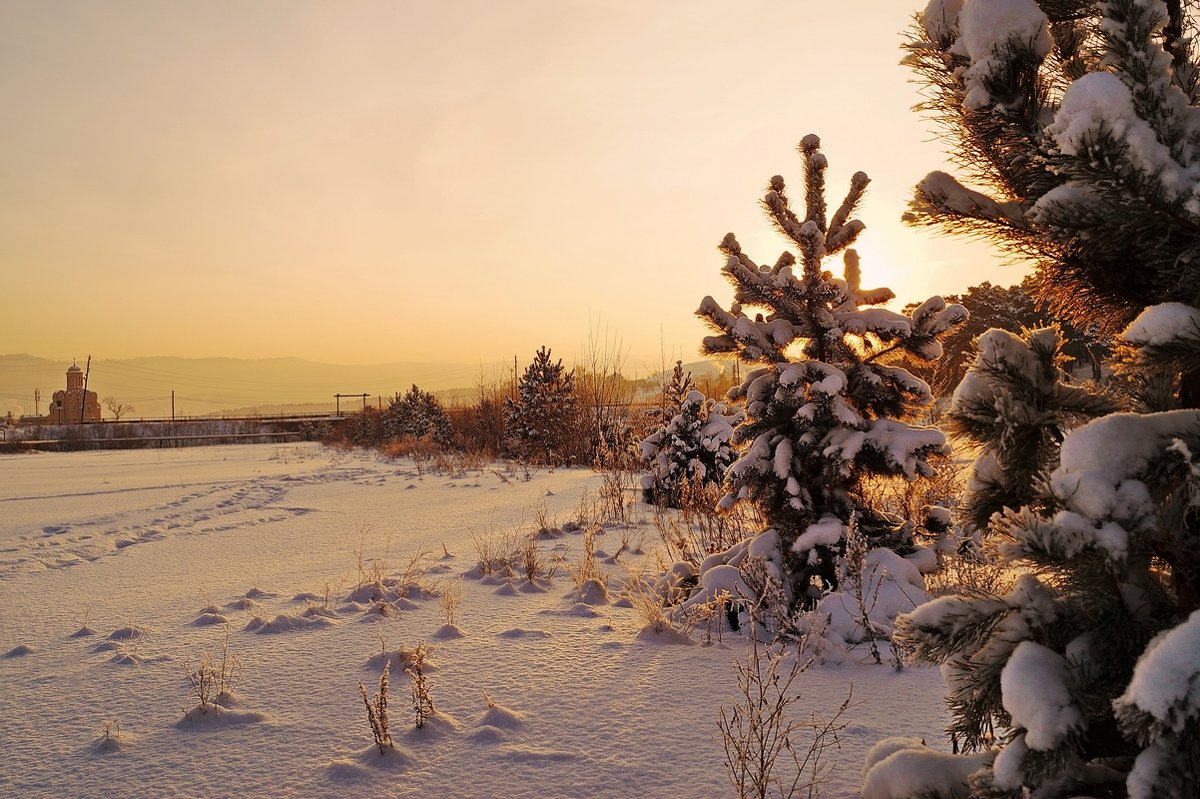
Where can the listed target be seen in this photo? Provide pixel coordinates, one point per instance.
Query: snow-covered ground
(97, 547)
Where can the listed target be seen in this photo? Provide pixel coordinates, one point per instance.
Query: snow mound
(367, 762)
(112, 744)
(501, 717)
(84, 632)
(127, 633)
(507, 589)
(400, 659)
(663, 635)
(217, 717)
(20, 650)
(579, 610)
(437, 725)
(245, 603)
(448, 632)
(286, 623)
(911, 770)
(206, 619)
(536, 754)
(518, 632)
(131, 658)
(590, 592)
(487, 734)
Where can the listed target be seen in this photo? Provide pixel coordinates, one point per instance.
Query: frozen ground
(146, 540)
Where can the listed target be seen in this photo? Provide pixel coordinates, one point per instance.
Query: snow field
(584, 703)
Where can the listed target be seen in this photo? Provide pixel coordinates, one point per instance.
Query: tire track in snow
(218, 507)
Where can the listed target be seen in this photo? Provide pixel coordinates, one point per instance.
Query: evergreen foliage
(1010, 308)
(365, 428)
(543, 421)
(1014, 406)
(824, 405)
(1080, 117)
(692, 447)
(418, 414)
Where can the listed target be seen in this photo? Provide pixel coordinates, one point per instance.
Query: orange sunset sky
(363, 182)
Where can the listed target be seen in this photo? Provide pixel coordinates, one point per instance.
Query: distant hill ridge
(207, 386)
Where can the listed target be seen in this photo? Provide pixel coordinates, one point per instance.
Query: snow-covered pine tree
(675, 391)
(543, 421)
(692, 448)
(1014, 405)
(1082, 117)
(825, 410)
(418, 414)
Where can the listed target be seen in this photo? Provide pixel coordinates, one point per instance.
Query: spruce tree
(825, 407)
(692, 448)
(418, 414)
(543, 421)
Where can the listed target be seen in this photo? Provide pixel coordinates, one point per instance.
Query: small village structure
(76, 404)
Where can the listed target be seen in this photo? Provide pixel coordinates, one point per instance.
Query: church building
(75, 405)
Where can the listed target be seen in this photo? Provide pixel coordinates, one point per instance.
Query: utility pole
(337, 399)
(37, 402)
(172, 405)
(83, 399)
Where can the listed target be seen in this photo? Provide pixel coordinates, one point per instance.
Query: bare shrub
(709, 616)
(212, 680)
(907, 498)
(698, 529)
(458, 465)
(377, 715)
(863, 587)
(497, 552)
(632, 541)
(542, 520)
(532, 561)
(421, 451)
(422, 701)
(449, 599)
(111, 731)
(976, 570)
(617, 483)
(647, 603)
(759, 729)
(586, 569)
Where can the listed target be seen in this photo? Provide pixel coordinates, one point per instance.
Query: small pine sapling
(827, 405)
(377, 715)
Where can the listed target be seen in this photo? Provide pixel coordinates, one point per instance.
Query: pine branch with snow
(1078, 122)
(1013, 406)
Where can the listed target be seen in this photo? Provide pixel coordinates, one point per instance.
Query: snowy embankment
(118, 570)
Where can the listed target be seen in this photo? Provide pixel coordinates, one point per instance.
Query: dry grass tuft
(377, 715)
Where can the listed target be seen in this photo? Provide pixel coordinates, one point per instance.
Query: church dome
(74, 368)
